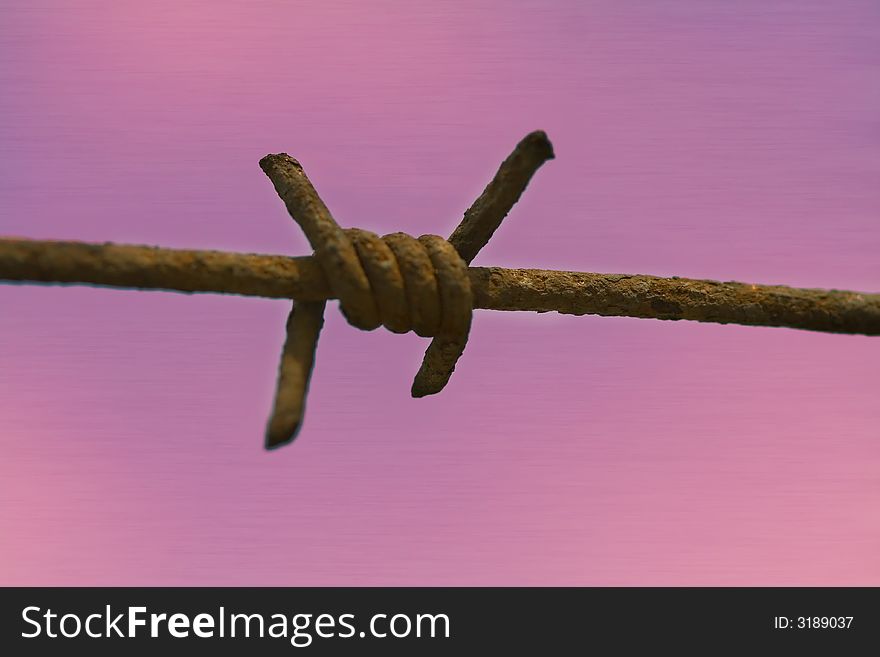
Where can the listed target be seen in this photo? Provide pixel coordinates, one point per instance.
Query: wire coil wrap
(417, 285)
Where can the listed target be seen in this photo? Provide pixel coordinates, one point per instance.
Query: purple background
(693, 138)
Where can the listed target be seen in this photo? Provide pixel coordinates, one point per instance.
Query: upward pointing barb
(395, 281)
(484, 217)
(332, 248)
(480, 222)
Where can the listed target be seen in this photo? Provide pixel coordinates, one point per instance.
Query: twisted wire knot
(397, 280)
(413, 284)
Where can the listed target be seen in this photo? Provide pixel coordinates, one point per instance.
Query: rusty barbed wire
(423, 284)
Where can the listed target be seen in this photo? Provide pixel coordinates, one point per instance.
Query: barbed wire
(424, 284)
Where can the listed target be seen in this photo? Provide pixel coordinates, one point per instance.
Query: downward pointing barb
(297, 359)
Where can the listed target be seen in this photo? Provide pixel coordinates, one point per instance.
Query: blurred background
(694, 138)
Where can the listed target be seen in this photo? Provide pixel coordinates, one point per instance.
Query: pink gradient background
(693, 138)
